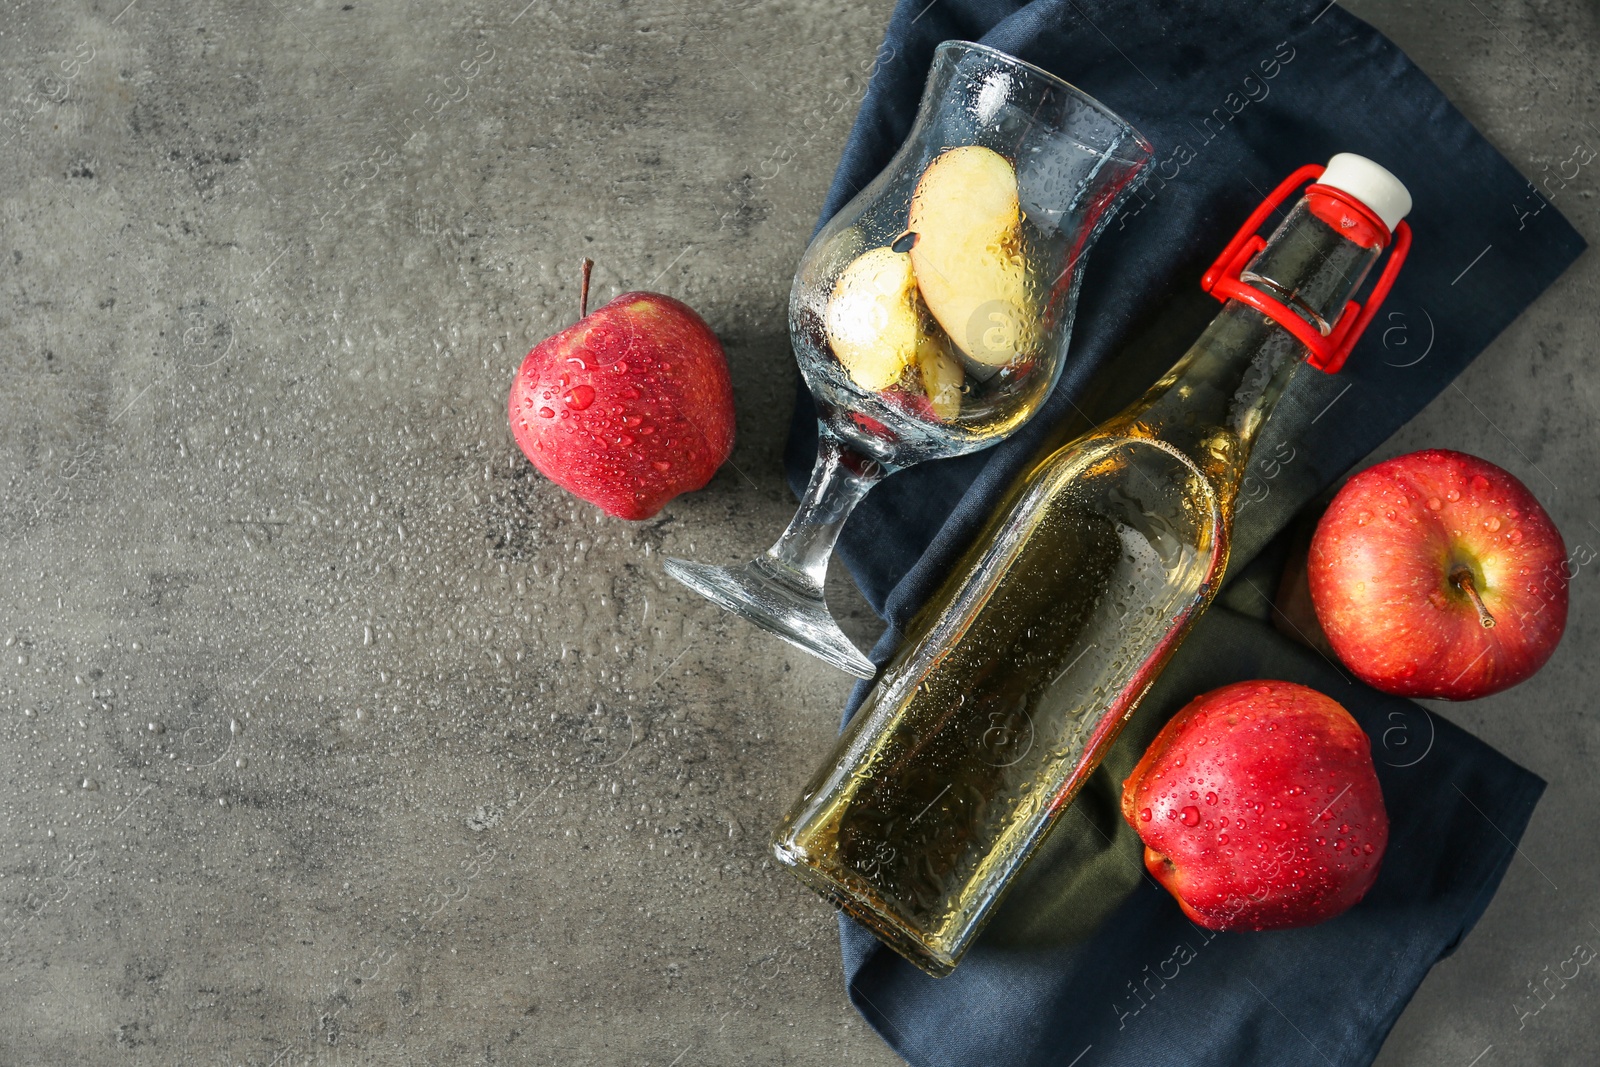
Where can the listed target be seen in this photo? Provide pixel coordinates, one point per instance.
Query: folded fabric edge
(1519, 812)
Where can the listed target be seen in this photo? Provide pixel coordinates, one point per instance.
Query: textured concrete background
(335, 734)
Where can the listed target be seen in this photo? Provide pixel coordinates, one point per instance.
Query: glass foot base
(758, 592)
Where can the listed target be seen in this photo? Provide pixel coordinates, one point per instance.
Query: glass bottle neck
(1233, 376)
(1230, 380)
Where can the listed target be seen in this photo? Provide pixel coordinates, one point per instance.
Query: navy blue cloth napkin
(1087, 962)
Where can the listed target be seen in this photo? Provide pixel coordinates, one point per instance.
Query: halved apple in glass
(967, 255)
(874, 318)
(941, 375)
(878, 328)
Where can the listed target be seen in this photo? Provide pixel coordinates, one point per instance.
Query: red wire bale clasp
(1328, 352)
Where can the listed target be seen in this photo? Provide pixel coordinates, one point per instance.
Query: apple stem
(586, 265)
(1463, 580)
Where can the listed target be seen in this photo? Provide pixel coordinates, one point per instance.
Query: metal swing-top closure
(1372, 221)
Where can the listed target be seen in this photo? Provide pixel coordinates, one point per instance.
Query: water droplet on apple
(1191, 815)
(1480, 483)
(1515, 537)
(1455, 494)
(1434, 503)
(1367, 848)
(661, 465)
(546, 413)
(1145, 815)
(580, 397)
(624, 440)
(1493, 523)
(1211, 798)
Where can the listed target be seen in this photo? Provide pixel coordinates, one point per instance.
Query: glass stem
(840, 478)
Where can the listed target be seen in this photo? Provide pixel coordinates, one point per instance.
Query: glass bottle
(1019, 673)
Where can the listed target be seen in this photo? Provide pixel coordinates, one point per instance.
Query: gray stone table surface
(337, 735)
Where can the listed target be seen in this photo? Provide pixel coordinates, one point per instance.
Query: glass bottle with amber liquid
(1018, 674)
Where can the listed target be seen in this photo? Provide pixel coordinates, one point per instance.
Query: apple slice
(968, 255)
(942, 375)
(874, 319)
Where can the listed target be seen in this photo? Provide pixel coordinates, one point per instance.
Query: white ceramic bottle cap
(1369, 183)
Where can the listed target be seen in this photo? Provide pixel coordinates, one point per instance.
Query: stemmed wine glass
(931, 315)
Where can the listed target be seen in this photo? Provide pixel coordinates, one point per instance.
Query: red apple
(1259, 808)
(628, 407)
(1437, 574)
